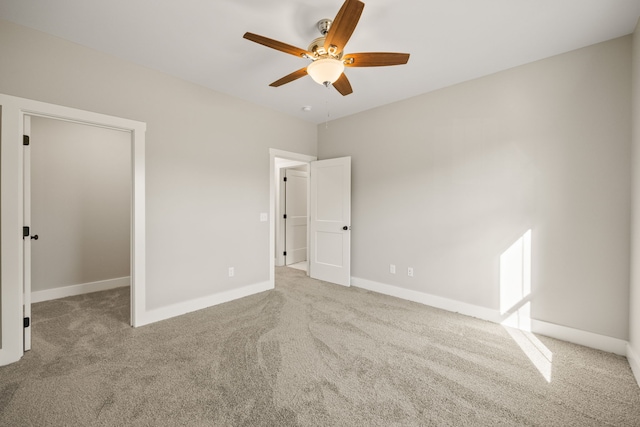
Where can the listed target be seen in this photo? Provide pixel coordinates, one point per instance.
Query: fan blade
(342, 85)
(343, 25)
(274, 44)
(375, 59)
(290, 77)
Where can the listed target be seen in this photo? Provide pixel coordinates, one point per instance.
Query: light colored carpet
(307, 353)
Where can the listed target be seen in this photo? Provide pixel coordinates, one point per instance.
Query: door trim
(13, 110)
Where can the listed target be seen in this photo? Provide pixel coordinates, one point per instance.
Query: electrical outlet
(232, 272)
(264, 217)
(410, 271)
(392, 268)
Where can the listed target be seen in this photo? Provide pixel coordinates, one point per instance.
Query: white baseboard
(83, 288)
(576, 336)
(428, 299)
(634, 361)
(163, 313)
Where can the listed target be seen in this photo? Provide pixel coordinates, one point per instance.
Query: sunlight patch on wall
(515, 282)
(515, 304)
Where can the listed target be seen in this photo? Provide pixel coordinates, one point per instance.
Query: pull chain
(326, 104)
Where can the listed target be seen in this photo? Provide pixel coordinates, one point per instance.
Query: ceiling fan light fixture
(325, 71)
(327, 52)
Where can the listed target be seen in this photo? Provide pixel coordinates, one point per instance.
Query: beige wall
(207, 159)
(446, 182)
(80, 203)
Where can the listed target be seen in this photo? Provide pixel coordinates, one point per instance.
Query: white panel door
(330, 221)
(296, 220)
(26, 239)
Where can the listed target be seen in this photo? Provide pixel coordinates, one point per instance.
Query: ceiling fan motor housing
(317, 47)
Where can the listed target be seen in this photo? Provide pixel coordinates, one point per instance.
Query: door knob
(345, 228)
(34, 237)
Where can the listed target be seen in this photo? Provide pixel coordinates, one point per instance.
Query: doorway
(77, 202)
(280, 160)
(13, 296)
(328, 221)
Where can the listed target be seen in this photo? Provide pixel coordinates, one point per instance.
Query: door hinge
(284, 253)
(284, 216)
(285, 179)
(25, 232)
(27, 322)
(25, 139)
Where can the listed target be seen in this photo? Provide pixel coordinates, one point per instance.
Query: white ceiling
(450, 41)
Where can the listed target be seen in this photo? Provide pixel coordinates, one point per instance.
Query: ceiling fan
(327, 52)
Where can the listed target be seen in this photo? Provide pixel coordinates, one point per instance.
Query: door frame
(287, 155)
(12, 112)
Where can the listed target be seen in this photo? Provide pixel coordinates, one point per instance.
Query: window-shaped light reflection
(515, 304)
(515, 276)
(534, 349)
